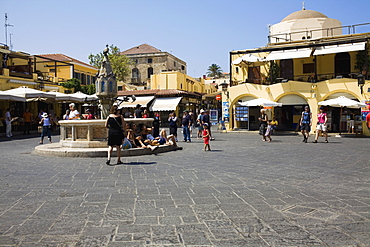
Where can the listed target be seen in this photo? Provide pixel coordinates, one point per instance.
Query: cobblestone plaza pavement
(243, 193)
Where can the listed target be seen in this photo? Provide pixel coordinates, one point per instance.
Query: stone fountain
(88, 138)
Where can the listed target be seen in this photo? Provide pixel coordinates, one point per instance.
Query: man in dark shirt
(206, 119)
(138, 112)
(186, 123)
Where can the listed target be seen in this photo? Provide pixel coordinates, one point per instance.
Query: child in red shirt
(206, 137)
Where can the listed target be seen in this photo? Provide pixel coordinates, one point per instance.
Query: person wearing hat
(46, 127)
(138, 113)
(200, 124)
(89, 114)
(186, 123)
(321, 125)
(73, 114)
(305, 123)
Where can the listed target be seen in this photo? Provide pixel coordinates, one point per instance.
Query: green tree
(214, 70)
(120, 63)
(274, 72)
(72, 84)
(362, 61)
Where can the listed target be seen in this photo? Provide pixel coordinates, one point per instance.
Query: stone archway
(289, 114)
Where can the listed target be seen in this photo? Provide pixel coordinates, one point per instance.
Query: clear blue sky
(200, 32)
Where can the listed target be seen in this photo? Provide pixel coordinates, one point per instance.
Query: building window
(119, 88)
(110, 88)
(52, 70)
(237, 70)
(135, 73)
(83, 79)
(150, 60)
(174, 64)
(181, 86)
(308, 68)
(150, 72)
(88, 79)
(102, 86)
(77, 75)
(136, 61)
(182, 67)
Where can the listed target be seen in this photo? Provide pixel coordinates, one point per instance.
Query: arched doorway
(135, 76)
(289, 114)
(342, 64)
(244, 118)
(150, 72)
(336, 123)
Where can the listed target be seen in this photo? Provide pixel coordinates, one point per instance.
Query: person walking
(263, 124)
(172, 119)
(321, 125)
(305, 123)
(46, 123)
(116, 133)
(200, 124)
(206, 137)
(8, 123)
(186, 123)
(269, 131)
(27, 118)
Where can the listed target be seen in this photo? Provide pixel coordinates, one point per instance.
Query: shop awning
(288, 54)
(165, 104)
(143, 101)
(339, 48)
(248, 58)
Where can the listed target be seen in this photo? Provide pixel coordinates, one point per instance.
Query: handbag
(126, 144)
(39, 129)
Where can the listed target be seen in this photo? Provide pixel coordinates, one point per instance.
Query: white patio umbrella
(84, 97)
(66, 97)
(28, 93)
(341, 102)
(260, 102)
(6, 96)
(248, 58)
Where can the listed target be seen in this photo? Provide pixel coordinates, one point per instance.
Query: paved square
(244, 192)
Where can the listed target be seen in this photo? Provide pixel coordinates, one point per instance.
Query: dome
(304, 14)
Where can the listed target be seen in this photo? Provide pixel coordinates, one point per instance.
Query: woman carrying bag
(116, 125)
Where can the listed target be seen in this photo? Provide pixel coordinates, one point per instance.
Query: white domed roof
(304, 14)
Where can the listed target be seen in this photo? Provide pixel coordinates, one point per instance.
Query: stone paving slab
(243, 193)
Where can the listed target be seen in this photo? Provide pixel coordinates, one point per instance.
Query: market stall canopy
(165, 104)
(84, 97)
(259, 102)
(331, 49)
(289, 54)
(143, 101)
(342, 101)
(248, 58)
(6, 96)
(29, 93)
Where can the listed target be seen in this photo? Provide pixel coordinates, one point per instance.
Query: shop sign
(218, 97)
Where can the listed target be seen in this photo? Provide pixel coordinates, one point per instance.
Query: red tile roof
(141, 49)
(64, 58)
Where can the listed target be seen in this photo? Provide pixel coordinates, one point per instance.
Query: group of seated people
(141, 137)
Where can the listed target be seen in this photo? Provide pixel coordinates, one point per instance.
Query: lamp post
(224, 86)
(225, 105)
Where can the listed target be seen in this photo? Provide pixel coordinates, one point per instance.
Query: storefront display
(242, 117)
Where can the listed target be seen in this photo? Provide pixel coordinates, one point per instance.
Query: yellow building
(177, 80)
(42, 72)
(308, 60)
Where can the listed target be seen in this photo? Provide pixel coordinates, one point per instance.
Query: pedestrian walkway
(244, 192)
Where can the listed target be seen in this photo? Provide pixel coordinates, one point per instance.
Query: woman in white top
(46, 127)
(74, 114)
